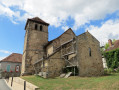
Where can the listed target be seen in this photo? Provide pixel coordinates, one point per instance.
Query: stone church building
(67, 53)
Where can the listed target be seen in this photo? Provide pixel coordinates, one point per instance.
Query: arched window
(89, 51)
(36, 26)
(41, 28)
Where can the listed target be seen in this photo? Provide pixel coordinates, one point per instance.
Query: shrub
(117, 70)
(112, 58)
(108, 71)
(105, 72)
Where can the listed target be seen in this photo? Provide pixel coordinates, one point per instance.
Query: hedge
(112, 58)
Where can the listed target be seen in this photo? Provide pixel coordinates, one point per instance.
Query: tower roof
(37, 20)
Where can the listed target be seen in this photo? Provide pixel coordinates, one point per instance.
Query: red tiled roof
(114, 46)
(14, 57)
(38, 20)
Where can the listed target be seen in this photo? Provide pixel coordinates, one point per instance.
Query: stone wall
(10, 74)
(54, 65)
(18, 84)
(66, 36)
(89, 64)
(33, 45)
(49, 49)
(73, 61)
(23, 62)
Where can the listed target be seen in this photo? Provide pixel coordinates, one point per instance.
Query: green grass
(110, 82)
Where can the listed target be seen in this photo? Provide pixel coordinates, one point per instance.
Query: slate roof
(38, 20)
(59, 36)
(14, 57)
(114, 46)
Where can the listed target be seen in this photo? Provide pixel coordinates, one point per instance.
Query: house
(78, 54)
(11, 65)
(112, 46)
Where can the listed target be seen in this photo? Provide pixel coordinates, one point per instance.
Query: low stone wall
(18, 84)
(10, 74)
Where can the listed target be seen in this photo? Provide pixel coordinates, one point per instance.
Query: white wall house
(11, 64)
(104, 62)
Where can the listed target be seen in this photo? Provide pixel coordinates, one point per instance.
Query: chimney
(110, 42)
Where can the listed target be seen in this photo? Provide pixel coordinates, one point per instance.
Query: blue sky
(100, 18)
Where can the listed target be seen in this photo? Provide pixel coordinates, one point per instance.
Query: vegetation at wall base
(112, 58)
(110, 71)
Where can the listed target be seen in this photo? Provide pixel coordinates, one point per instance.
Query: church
(67, 53)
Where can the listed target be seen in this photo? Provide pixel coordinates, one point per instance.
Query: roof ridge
(64, 33)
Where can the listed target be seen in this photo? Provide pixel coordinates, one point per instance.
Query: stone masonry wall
(49, 49)
(54, 65)
(89, 65)
(66, 36)
(33, 45)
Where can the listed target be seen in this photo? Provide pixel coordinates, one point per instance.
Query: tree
(106, 46)
(112, 58)
(113, 41)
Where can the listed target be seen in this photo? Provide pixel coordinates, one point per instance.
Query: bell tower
(36, 37)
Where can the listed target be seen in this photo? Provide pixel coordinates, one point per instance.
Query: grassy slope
(91, 83)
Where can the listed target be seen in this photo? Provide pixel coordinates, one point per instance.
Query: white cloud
(6, 52)
(57, 11)
(6, 11)
(108, 30)
(2, 58)
(65, 28)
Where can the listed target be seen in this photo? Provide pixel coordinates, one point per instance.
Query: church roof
(38, 20)
(14, 57)
(60, 36)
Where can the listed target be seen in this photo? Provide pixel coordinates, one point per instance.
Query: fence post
(24, 85)
(12, 81)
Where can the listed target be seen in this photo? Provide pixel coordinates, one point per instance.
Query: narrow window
(90, 52)
(41, 28)
(36, 26)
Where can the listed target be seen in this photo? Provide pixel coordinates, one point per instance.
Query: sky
(99, 17)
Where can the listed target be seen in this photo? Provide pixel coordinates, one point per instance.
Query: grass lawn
(110, 82)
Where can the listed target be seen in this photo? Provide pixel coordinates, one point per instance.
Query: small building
(11, 65)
